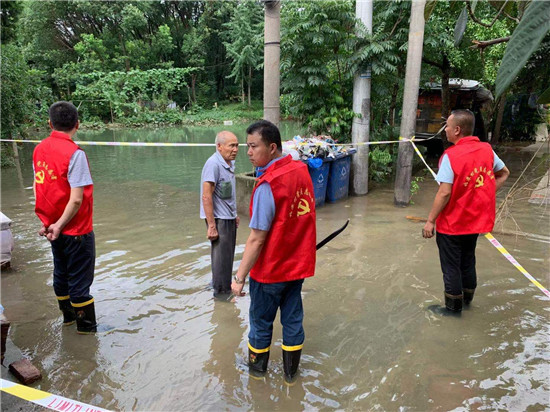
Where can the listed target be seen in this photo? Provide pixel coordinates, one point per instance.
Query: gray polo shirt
(217, 170)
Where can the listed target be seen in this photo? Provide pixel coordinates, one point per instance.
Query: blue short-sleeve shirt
(445, 173)
(222, 174)
(263, 206)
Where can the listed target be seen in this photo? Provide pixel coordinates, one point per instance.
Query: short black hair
(466, 120)
(64, 116)
(268, 131)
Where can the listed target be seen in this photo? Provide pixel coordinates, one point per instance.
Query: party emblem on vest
(301, 203)
(303, 207)
(39, 177)
(479, 180)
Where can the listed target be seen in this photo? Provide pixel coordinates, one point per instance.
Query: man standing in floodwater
(280, 250)
(219, 209)
(469, 174)
(63, 189)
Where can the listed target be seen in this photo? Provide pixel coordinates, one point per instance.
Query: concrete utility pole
(272, 52)
(361, 105)
(402, 189)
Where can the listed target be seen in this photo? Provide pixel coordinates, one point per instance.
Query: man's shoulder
(211, 162)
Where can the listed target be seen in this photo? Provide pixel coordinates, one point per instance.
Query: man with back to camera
(63, 189)
(469, 174)
(280, 250)
(219, 209)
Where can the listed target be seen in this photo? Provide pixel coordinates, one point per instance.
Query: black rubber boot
(257, 362)
(69, 315)
(85, 318)
(468, 295)
(291, 360)
(453, 302)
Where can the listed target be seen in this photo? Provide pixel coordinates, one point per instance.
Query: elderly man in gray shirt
(219, 209)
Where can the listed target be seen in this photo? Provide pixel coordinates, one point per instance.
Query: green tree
(194, 51)
(16, 104)
(10, 12)
(244, 45)
(320, 54)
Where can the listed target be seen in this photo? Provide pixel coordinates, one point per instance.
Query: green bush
(521, 117)
(382, 158)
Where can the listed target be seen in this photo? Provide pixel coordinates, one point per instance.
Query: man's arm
(501, 176)
(208, 206)
(252, 250)
(71, 209)
(441, 199)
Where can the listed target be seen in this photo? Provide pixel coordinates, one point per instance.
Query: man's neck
(70, 133)
(277, 155)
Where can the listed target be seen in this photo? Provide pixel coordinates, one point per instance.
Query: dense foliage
(138, 62)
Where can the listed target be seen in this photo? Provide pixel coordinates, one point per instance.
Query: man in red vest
(280, 250)
(469, 174)
(63, 189)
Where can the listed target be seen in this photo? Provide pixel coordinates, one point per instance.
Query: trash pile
(314, 149)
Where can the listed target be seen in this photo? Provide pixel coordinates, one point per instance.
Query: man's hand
(238, 221)
(53, 232)
(428, 230)
(212, 233)
(237, 288)
(42, 231)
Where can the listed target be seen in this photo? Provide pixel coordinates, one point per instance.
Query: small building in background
(464, 94)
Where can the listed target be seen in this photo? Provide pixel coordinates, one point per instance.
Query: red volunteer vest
(289, 250)
(51, 164)
(471, 208)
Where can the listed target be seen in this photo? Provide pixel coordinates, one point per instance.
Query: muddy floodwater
(372, 342)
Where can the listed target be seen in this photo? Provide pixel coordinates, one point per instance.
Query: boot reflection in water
(85, 317)
(291, 360)
(69, 315)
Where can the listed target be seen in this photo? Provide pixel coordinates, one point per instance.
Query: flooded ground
(371, 341)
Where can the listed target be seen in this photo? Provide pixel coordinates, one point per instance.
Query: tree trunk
(242, 89)
(500, 114)
(393, 103)
(249, 81)
(445, 90)
(402, 189)
(123, 45)
(193, 80)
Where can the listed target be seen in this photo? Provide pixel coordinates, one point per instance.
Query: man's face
(451, 129)
(229, 148)
(258, 152)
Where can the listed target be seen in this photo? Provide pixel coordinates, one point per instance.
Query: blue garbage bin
(319, 178)
(338, 177)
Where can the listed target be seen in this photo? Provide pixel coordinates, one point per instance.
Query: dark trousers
(73, 262)
(457, 254)
(265, 299)
(223, 254)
